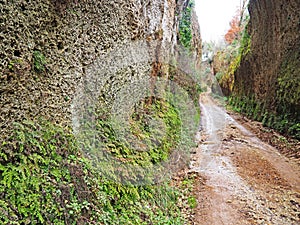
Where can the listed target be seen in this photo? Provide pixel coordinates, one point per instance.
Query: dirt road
(244, 180)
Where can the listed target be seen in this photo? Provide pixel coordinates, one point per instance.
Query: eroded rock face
(270, 73)
(48, 47)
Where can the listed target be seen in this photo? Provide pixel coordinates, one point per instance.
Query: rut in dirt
(245, 180)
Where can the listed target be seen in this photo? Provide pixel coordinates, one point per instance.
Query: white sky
(214, 17)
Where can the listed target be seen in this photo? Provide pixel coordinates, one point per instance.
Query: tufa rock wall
(269, 74)
(48, 48)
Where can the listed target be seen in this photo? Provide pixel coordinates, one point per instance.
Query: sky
(214, 17)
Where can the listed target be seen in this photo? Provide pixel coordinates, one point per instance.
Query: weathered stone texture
(72, 35)
(270, 73)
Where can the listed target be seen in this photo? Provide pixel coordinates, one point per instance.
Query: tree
(237, 24)
(234, 30)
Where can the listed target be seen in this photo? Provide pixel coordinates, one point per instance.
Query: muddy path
(244, 180)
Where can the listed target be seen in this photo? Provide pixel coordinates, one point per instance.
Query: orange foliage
(235, 28)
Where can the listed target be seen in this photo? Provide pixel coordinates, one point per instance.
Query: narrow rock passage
(246, 180)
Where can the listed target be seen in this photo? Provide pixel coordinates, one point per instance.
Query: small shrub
(39, 61)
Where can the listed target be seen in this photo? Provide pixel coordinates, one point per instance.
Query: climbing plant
(185, 26)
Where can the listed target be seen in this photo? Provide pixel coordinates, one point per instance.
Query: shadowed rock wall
(269, 74)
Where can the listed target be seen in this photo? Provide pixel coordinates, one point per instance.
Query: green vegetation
(159, 142)
(188, 185)
(288, 90)
(11, 64)
(243, 50)
(185, 26)
(45, 180)
(192, 202)
(280, 110)
(284, 116)
(231, 58)
(142, 145)
(257, 111)
(39, 61)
